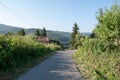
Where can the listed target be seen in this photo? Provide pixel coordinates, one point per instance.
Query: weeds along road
(59, 66)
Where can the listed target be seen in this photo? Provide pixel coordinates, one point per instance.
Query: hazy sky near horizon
(57, 15)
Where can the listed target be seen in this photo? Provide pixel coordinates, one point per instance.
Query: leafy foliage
(16, 50)
(95, 64)
(98, 56)
(108, 27)
(53, 47)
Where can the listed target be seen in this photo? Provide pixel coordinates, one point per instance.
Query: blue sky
(57, 15)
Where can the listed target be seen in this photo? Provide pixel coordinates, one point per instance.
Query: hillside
(63, 37)
(5, 28)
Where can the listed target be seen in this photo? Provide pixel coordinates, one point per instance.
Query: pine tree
(21, 32)
(37, 33)
(43, 32)
(73, 36)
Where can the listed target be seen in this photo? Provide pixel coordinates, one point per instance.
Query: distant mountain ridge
(63, 37)
(5, 28)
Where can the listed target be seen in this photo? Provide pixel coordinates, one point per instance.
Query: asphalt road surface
(59, 66)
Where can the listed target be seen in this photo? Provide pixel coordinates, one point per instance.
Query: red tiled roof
(43, 39)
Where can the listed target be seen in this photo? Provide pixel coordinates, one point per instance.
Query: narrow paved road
(59, 66)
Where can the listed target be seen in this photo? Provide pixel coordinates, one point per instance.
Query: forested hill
(63, 37)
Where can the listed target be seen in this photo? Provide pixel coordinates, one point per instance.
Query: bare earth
(59, 66)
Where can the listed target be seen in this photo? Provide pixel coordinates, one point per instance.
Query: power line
(15, 14)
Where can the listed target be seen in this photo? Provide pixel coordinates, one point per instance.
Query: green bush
(95, 63)
(99, 58)
(53, 47)
(17, 50)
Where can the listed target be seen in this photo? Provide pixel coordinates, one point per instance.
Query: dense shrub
(17, 50)
(99, 58)
(107, 29)
(53, 47)
(96, 64)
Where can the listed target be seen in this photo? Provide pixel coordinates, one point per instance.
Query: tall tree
(37, 33)
(73, 36)
(43, 32)
(21, 32)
